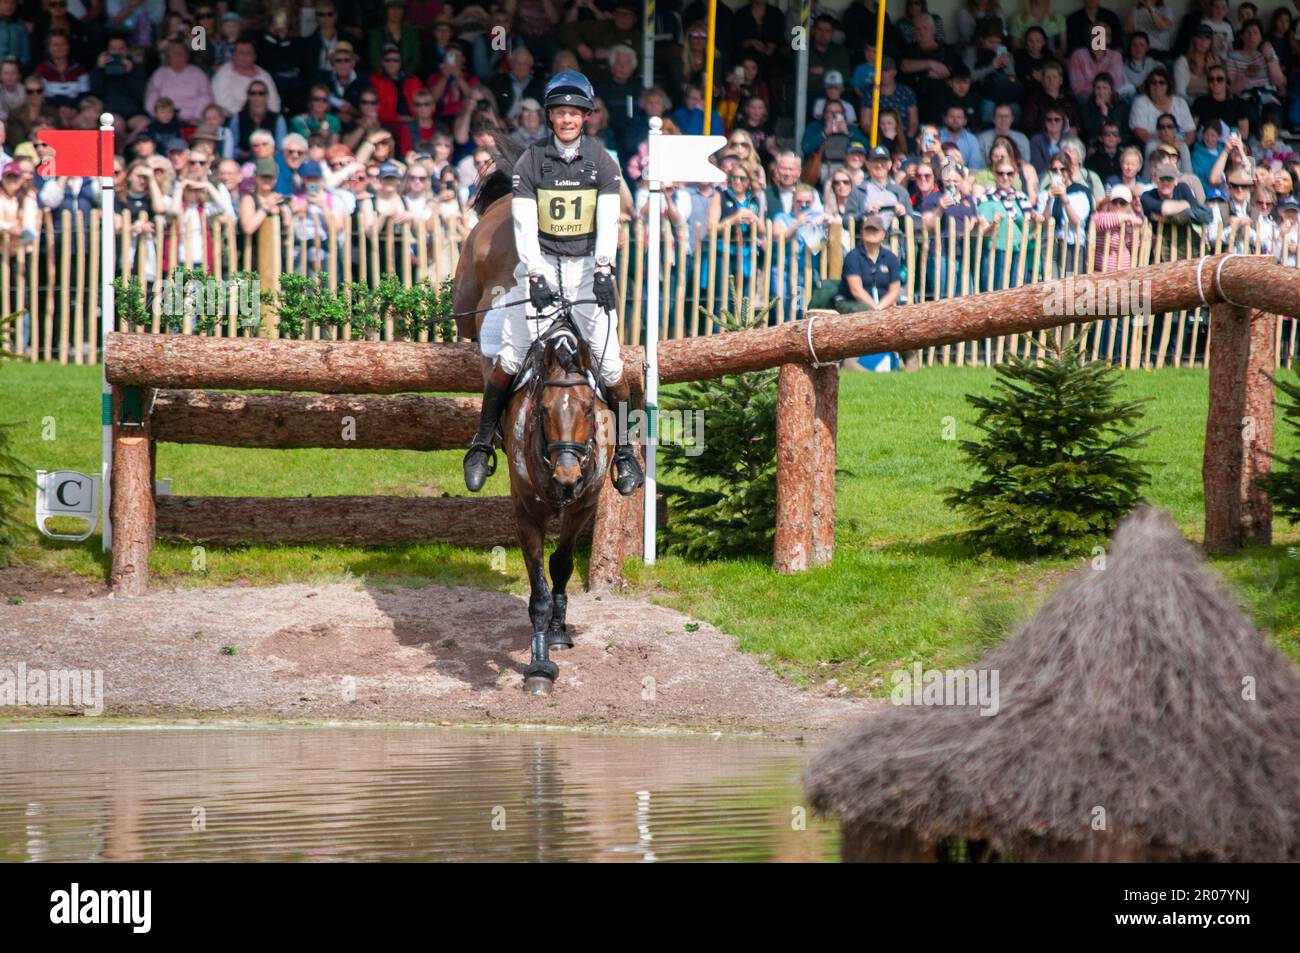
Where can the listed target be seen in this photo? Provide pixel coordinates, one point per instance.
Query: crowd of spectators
(325, 111)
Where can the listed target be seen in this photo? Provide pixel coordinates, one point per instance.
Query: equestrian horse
(559, 442)
(485, 270)
(557, 426)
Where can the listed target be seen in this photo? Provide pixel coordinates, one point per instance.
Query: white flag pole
(674, 159)
(106, 322)
(652, 339)
(648, 46)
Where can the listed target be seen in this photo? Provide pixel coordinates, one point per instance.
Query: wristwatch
(603, 261)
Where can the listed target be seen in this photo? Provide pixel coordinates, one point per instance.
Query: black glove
(603, 286)
(540, 293)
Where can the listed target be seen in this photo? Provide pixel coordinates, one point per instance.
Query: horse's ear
(550, 358)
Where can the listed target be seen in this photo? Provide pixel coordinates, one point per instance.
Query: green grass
(901, 588)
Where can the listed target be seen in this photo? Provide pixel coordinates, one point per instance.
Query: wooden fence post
(1238, 429)
(795, 468)
(618, 527)
(132, 512)
(826, 384)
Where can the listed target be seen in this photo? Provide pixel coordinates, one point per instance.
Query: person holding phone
(945, 214)
(1069, 203)
(452, 87)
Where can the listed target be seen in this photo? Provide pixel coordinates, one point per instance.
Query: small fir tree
(1055, 477)
(1283, 484)
(727, 504)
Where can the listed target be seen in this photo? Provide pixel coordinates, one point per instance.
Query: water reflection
(400, 794)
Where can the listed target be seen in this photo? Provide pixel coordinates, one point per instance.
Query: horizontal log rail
(1252, 281)
(327, 367)
(343, 520)
(294, 421)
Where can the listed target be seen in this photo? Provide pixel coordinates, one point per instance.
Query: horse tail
(498, 183)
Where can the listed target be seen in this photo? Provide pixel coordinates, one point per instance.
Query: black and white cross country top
(566, 187)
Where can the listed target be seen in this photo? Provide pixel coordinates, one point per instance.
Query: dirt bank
(345, 650)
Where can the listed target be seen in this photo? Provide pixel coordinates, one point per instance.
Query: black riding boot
(481, 460)
(625, 469)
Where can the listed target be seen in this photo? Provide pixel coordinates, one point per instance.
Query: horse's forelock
(564, 345)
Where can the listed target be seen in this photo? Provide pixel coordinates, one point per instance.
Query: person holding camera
(452, 86)
(122, 84)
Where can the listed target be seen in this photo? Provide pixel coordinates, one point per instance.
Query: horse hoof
(538, 685)
(559, 638)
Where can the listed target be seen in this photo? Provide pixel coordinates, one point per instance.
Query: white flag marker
(675, 159)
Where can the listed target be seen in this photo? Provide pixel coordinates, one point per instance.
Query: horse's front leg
(557, 633)
(540, 675)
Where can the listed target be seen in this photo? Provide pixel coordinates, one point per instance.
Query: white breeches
(507, 333)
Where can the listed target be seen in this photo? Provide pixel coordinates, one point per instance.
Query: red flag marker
(77, 152)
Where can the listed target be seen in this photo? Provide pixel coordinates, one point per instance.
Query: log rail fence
(186, 389)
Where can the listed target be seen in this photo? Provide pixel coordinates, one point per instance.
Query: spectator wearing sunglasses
(738, 207)
(318, 118)
(318, 46)
(1117, 222)
(345, 83)
(1218, 106)
(291, 159)
(256, 115)
(33, 111)
(231, 82)
(1010, 211)
(1168, 138)
(395, 88)
(1234, 219)
(1263, 202)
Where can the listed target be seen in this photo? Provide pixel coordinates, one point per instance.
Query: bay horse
(559, 442)
(556, 426)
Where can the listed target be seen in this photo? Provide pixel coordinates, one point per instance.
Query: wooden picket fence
(54, 279)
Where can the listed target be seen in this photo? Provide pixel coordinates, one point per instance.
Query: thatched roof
(1124, 692)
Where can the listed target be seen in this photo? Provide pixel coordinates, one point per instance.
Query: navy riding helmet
(569, 88)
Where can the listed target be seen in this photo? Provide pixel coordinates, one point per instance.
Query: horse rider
(565, 206)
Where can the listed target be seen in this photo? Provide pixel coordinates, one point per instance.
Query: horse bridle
(582, 451)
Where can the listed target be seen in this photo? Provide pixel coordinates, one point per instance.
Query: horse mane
(499, 182)
(582, 360)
